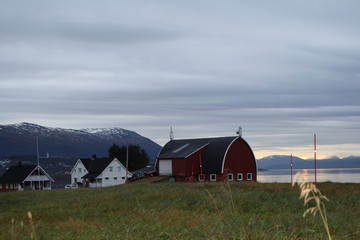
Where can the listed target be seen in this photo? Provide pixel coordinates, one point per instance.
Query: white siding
(112, 176)
(165, 167)
(75, 173)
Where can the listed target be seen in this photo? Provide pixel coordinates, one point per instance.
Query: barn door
(165, 167)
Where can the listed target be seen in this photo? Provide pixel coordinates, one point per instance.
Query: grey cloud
(282, 70)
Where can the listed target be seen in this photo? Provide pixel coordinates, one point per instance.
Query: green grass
(146, 210)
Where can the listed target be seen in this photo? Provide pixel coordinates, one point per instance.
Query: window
(239, 177)
(110, 168)
(115, 178)
(123, 177)
(75, 170)
(106, 178)
(249, 176)
(201, 177)
(230, 177)
(75, 180)
(119, 168)
(213, 177)
(79, 170)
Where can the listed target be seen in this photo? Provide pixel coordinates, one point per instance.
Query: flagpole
(38, 161)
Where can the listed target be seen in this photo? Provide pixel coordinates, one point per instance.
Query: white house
(99, 172)
(25, 177)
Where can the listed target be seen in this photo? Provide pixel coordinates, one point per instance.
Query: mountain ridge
(283, 162)
(20, 139)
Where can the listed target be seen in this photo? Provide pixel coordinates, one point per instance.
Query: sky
(282, 70)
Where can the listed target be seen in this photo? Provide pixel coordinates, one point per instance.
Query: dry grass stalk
(309, 192)
(32, 234)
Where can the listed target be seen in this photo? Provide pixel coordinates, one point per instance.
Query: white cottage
(25, 177)
(98, 172)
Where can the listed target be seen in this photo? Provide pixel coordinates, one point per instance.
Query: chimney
(93, 157)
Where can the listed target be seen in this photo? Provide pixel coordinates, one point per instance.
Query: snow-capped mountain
(20, 139)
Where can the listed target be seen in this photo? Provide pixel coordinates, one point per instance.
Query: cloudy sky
(282, 70)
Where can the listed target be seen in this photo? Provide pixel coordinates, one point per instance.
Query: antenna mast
(171, 134)
(38, 159)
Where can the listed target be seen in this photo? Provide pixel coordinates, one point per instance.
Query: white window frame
(201, 177)
(119, 168)
(79, 170)
(110, 168)
(213, 177)
(107, 179)
(230, 177)
(240, 177)
(249, 176)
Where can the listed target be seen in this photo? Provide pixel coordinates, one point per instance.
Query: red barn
(208, 159)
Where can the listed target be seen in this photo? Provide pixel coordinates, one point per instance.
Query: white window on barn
(119, 168)
(239, 176)
(79, 170)
(230, 177)
(201, 177)
(115, 178)
(213, 177)
(106, 178)
(110, 168)
(249, 176)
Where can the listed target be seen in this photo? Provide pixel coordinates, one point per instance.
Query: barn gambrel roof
(213, 156)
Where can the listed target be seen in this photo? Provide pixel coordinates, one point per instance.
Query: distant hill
(20, 140)
(283, 162)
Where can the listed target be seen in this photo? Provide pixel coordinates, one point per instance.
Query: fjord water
(342, 175)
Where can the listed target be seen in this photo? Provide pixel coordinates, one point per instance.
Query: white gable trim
(101, 175)
(129, 173)
(223, 162)
(74, 167)
(41, 169)
(197, 150)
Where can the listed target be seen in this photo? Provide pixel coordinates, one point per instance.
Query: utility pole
(291, 168)
(38, 160)
(315, 156)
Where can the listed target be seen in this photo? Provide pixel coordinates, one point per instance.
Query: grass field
(147, 210)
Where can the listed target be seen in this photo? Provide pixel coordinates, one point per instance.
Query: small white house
(99, 172)
(25, 177)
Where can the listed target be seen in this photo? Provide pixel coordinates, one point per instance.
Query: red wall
(240, 159)
(189, 166)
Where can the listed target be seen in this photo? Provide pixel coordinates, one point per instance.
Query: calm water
(322, 175)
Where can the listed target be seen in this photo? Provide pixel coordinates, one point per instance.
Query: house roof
(212, 158)
(95, 166)
(18, 173)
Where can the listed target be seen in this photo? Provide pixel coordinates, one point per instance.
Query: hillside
(20, 140)
(283, 162)
(183, 211)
